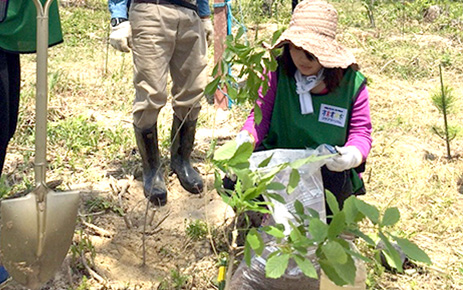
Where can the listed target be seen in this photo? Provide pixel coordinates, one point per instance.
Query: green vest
(328, 124)
(18, 32)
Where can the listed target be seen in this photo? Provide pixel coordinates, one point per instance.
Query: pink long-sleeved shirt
(359, 134)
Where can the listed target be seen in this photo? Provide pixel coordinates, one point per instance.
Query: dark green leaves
(391, 217)
(412, 250)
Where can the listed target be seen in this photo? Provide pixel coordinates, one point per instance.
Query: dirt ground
(122, 259)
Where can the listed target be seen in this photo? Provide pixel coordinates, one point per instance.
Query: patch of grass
(99, 204)
(82, 248)
(197, 230)
(176, 280)
(5, 188)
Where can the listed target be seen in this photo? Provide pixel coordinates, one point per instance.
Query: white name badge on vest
(332, 115)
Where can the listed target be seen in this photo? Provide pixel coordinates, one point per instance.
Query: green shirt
(18, 32)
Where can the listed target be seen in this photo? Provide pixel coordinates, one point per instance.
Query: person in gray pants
(165, 36)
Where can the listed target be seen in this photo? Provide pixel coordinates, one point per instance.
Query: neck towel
(303, 86)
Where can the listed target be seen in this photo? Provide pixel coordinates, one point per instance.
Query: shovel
(37, 229)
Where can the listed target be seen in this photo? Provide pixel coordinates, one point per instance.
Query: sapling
(444, 101)
(333, 254)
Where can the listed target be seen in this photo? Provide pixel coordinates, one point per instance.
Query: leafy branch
(251, 63)
(309, 234)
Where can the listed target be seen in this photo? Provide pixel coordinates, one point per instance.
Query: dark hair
(333, 76)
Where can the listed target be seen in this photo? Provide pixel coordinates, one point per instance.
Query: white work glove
(121, 36)
(350, 157)
(208, 29)
(242, 137)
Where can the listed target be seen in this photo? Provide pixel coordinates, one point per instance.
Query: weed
(99, 204)
(83, 284)
(82, 249)
(197, 230)
(176, 280)
(5, 188)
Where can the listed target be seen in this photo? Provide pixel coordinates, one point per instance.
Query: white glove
(208, 29)
(242, 137)
(350, 157)
(121, 36)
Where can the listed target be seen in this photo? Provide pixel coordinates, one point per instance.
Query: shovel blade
(35, 236)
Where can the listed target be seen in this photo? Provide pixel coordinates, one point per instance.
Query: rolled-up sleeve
(118, 8)
(203, 8)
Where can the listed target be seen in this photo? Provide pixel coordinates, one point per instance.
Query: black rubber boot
(182, 146)
(154, 186)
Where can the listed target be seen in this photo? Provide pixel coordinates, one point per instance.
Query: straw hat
(313, 28)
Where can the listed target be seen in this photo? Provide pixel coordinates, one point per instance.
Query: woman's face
(305, 62)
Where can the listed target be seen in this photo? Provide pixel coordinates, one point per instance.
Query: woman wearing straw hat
(316, 96)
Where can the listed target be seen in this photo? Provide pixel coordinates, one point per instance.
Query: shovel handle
(40, 161)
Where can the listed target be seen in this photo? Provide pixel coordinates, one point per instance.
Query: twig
(144, 233)
(162, 220)
(387, 63)
(125, 216)
(98, 230)
(92, 272)
(231, 256)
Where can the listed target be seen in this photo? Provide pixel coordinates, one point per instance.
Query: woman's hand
(350, 157)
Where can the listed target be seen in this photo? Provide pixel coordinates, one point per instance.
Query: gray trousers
(167, 39)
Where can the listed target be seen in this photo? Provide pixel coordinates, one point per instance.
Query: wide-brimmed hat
(313, 28)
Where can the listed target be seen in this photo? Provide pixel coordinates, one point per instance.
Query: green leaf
(312, 158)
(276, 35)
(413, 251)
(368, 210)
(276, 186)
(350, 210)
(265, 162)
(231, 91)
(299, 207)
(276, 266)
(296, 234)
(359, 256)
(391, 217)
(337, 225)
(365, 237)
(294, 178)
(318, 230)
(332, 202)
(247, 253)
(254, 192)
(347, 270)
(306, 266)
(334, 252)
(255, 241)
(243, 176)
(391, 254)
(240, 33)
(212, 87)
(274, 231)
(276, 197)
(257, 114)
(313, 213)
(331, 272)
(217, 180)
(225, 152)
(242, 154)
